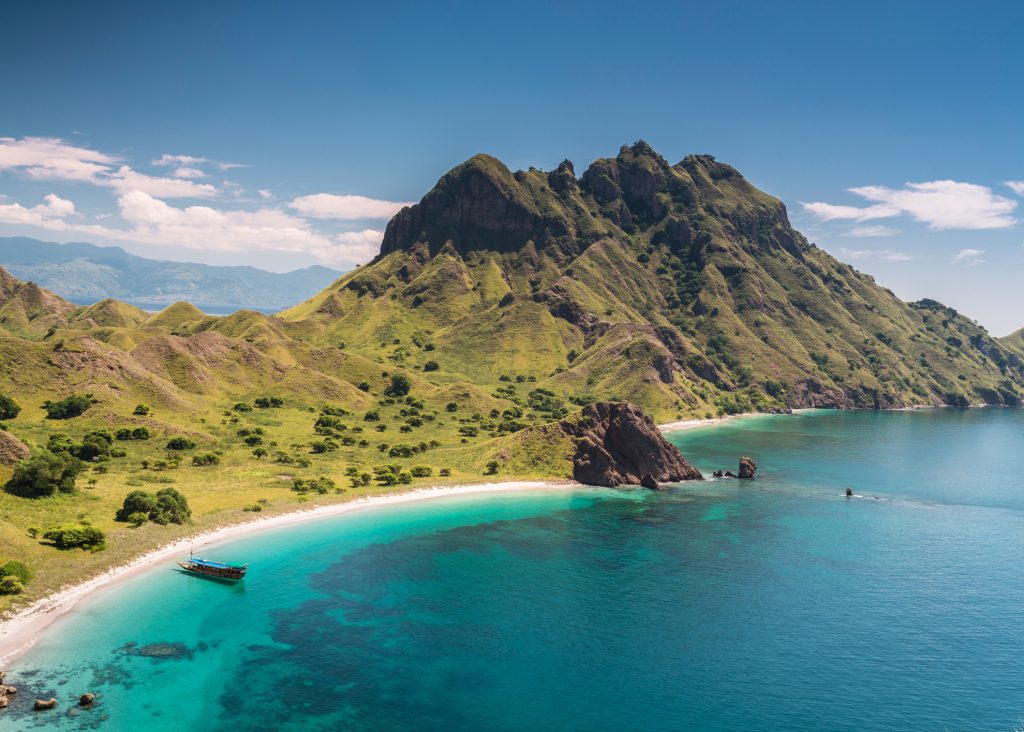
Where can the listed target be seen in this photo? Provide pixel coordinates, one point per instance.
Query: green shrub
(363, 386)
(141, 410)
(203, 459)
(421, 471)
(70, 536)
(492, 467)
(180, 443)
(9, 408)
(133, 433)
(320, 485)
(10, 585)
(445, 472)
(17, 569)
(94, 445)
(135, 503)
(45, 474)
(431, 366)
(167, 506)
(137, 519)
(399, 386)
(69, 407)
(242, 407)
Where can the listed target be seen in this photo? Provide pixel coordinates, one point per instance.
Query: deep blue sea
(724, 605)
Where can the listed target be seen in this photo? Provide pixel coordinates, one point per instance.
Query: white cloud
(193, 163)
(873, 231)
(831, 212)
(352, 247)
(1017, 186)
(48, 215)
(970, 256)
(885, 255)
(184, 172)
(941, 204)
(264, 193)
(126, 180)
(349, 208)
(154, 221)
(48, 158)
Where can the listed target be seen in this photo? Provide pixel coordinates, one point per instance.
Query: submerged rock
(617, 444)
(86, 699)
(44, 704)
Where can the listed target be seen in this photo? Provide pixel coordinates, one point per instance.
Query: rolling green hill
(680, 287)
(501, 303)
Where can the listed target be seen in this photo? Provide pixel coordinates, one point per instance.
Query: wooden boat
(217, 570)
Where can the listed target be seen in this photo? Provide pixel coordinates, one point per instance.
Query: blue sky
(283, 136)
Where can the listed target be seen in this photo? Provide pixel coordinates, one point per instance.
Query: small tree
(431, 366)
(10, 585)
(69, 536)
(492, 467)
(136, 503)
(9, 408)
(259, 453)
(399, 386)
(69, 407)
(17, 569)
(45, 474)
(180, 443)
(172, 507)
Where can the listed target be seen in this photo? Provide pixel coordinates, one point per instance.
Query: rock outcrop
(86, 699)
(44, 704)
(747, 468)
(617, 444)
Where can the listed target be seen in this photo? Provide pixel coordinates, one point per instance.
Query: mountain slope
(681, 287)
(1014, 342)
(85, 272)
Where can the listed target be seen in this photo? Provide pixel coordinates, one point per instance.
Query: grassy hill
(680, 287)
(501, 302)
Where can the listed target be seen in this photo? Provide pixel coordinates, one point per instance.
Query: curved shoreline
(22, 630)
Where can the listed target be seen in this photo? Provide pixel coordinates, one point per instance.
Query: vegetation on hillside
(501, 303)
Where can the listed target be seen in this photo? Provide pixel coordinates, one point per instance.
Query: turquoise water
(777, 605)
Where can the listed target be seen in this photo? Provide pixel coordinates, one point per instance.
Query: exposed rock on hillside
(11, 449)
(617, 444)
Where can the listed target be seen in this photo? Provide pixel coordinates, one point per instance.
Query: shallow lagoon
(723, 605)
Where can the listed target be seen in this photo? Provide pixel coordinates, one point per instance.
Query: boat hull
(228, 574)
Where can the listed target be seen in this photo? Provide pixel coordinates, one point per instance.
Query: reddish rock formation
(617, 444)
(747, 468)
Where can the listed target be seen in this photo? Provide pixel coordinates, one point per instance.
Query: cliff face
(617, 444)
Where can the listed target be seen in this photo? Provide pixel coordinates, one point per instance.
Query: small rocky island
(617, 444)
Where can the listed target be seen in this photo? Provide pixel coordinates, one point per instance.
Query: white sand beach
(21, 631)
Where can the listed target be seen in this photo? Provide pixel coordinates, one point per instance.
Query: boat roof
(217, 565)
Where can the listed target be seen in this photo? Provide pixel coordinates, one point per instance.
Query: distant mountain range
(86, 273)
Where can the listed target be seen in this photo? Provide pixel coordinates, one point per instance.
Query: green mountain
(680, 287)
(1014, 342)
(87, 273)
(501, 308)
